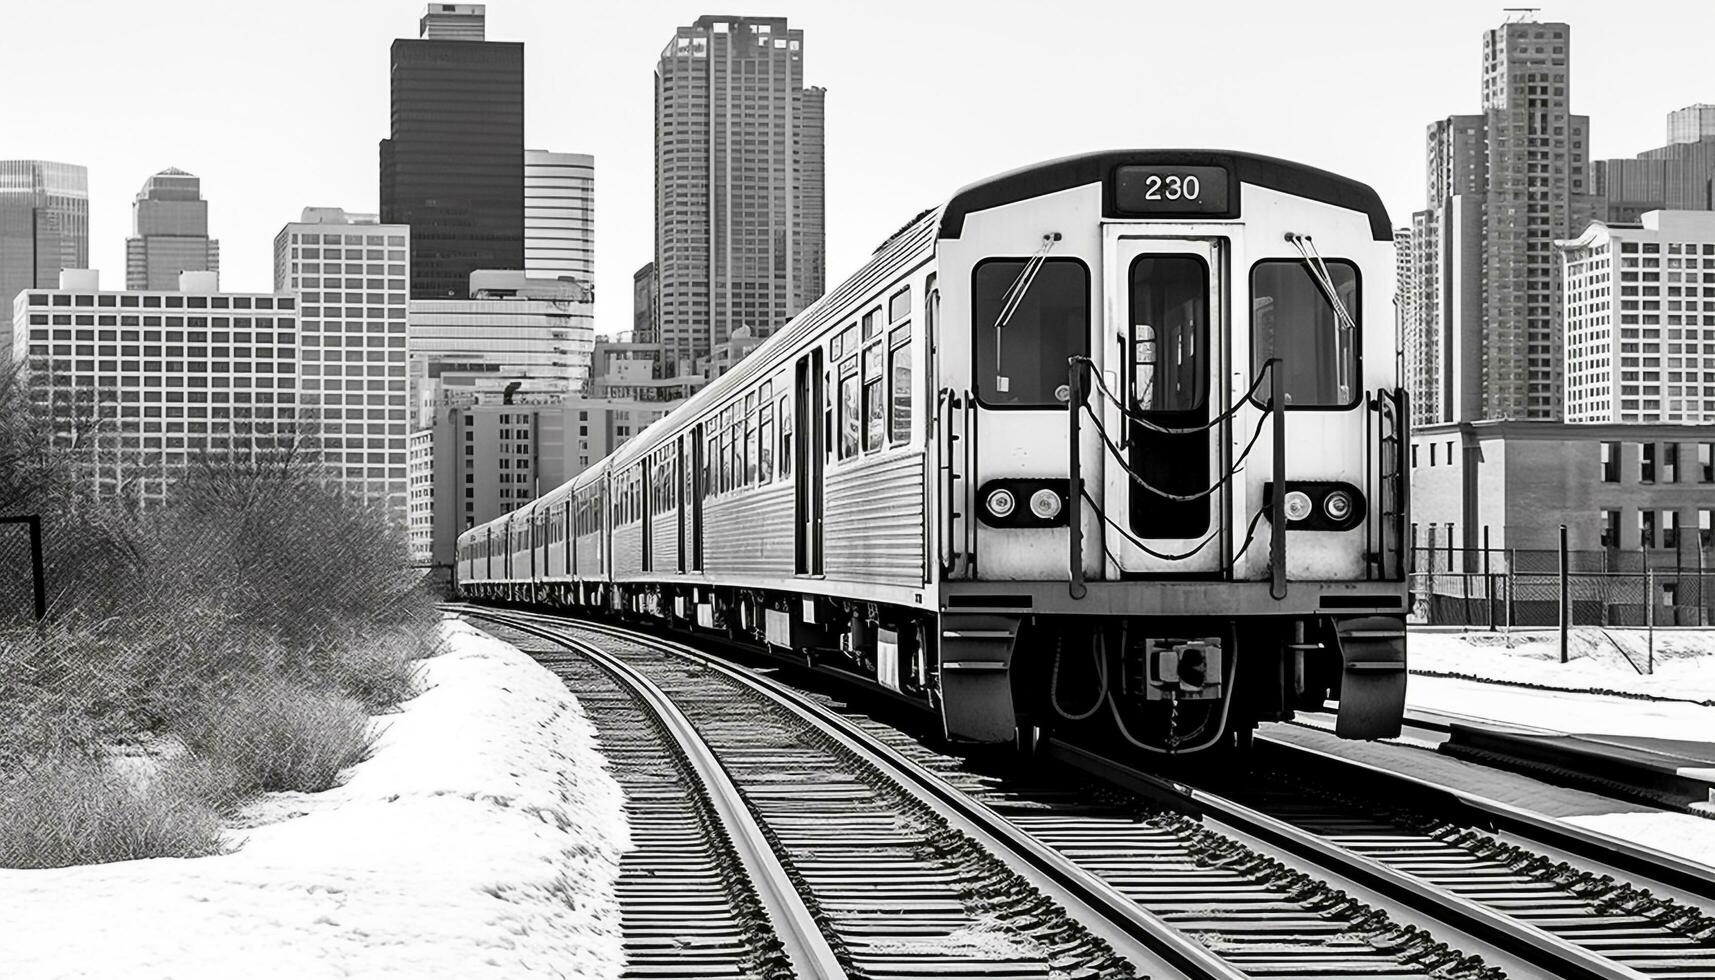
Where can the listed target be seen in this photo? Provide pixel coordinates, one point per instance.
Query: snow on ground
(1560, 710)
(1680, 834)
(481, 838)
(1597, 658)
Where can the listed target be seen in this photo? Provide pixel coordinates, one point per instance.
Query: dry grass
(274, 734)
(74, 810)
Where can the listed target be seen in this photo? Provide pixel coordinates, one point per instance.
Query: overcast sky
(279, 105)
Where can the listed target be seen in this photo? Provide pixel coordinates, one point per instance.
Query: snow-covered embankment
(481, 838)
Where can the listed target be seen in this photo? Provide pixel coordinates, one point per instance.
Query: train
(1108, 447)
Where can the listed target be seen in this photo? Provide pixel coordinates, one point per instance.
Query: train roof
(1091, 168)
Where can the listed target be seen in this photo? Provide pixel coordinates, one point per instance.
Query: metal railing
(1500, 588)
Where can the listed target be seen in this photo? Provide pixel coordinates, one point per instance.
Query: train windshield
(1023, 364)
(1293, 318)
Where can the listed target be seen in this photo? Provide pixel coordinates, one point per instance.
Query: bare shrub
(272, 734)
(75, 810)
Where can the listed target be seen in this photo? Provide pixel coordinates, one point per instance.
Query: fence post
(1565, 597)
(1429, 578)
(1649, 594)
(1488, 583)
(1512, 575)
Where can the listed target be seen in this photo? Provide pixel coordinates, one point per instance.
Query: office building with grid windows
(1640, 320)
(739, 220)
(352, 275)
(147, 383)
(1485, 321)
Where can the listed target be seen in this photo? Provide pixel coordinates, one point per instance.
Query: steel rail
(1152, 945)
(1666, 875)
(800, 936)
(1376, 883)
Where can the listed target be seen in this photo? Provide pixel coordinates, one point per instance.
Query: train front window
(1026, 328)
(1293, 318)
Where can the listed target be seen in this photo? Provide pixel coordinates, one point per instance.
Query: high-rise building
(352, 275)
(147, 383)
(738, 182)
(1690, 124)
(1677, 177)
(559, 215)
(44, 230)
(169, 232)
(1502, 187)
(453, 166)
(514, 332)
(1640, 320)
(646, 305)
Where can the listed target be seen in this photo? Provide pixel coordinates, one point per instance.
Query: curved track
(1244, 883)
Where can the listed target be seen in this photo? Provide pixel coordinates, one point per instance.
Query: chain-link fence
(1508, 587)
(17, 570)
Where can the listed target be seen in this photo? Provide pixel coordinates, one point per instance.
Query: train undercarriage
(1144, 685)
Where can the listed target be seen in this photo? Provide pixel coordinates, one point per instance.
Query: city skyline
(890, 150)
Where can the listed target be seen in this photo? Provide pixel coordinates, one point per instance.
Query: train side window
(1026, 326)
(752, 454)
(874, 397)
(899, 376)
(735, 448)
(765, 434)
(899, 305)
(785, 415)
(1293, 318)
(848, 405)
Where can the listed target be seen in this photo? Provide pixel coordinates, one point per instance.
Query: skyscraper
(559, 214)
(738, 182)
(1677, 177)
(351, 276)
(1502, 187)
(453, 167)
(169, 232)
(1690, 124)
(44, 229)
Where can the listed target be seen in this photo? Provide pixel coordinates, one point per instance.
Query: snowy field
(481, 838)
(1597, 658)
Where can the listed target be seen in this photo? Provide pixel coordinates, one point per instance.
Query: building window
(1646, 462)
(1670, 463)
(1670, 529)
(1610, 462)
(1432, 454)
(1706, 462)
(1414, 457)
(1610, 529)
(1705, 527)
(1646, 528)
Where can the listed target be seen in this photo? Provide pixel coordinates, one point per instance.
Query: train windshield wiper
(1014, 297)
(1344, 325)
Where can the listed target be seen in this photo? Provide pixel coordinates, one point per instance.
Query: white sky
(279, 105)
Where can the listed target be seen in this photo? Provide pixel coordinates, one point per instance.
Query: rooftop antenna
(1521, 15)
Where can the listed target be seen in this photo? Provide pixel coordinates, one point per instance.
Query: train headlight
(1045, 504)
(1298, 505)
(1001, 503)
(1337, 505)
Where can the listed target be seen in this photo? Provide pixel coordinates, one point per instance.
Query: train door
(1165, 308)
(807, 467)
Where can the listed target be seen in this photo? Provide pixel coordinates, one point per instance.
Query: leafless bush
(257, 614)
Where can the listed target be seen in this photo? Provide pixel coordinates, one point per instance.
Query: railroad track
(859, 874)
(1246, 886)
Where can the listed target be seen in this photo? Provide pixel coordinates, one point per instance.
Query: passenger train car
(1110, 443)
